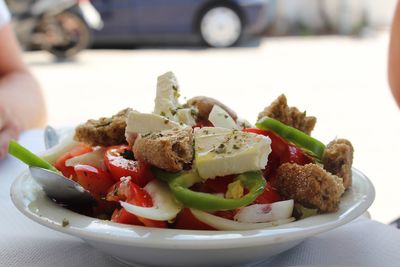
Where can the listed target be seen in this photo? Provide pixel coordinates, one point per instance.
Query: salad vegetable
(197, 165)
(28, 157)
(179, 183)
(291, 134)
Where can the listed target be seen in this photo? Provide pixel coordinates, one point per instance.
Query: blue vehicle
(216, 23)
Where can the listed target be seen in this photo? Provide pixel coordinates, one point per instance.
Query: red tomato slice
(226, 214)
(295, 155)
(95, 180)
(119, 166)
(132, 193)
(186, 220)
(214, 186)
(122, 216)
(282, 152)
(269, 195)
(76, 151)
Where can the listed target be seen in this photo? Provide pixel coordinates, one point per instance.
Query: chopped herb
(65, 222)
(162, 113)
(180, 123)
(235, 146)
(225, 116)
(176, 91)
(206, 132)
(220, 149)
(166, 121)
(173, 111)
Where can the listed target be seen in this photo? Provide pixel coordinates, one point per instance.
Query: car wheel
(220, 26)
(66, 35)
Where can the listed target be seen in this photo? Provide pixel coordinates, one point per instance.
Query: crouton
(338, 159)
(204, 106)
(291, 116)
(309, 185)
(104, 131)
(170, 150)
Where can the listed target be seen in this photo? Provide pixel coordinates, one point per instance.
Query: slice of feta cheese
(167, 101)
(186, 116)
(220, 151)
(144, 123)
(220, 118)
(167, 96)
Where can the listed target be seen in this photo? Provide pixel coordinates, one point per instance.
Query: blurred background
(329, 57)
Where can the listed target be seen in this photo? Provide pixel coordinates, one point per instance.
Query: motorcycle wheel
(66, 34)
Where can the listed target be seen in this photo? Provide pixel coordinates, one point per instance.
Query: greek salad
(197, 165)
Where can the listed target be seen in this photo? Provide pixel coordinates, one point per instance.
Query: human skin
(21, 102)
(394, 56)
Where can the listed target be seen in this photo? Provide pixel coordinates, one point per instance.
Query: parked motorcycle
(62, 27)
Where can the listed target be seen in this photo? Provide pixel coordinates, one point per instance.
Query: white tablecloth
(24, 243)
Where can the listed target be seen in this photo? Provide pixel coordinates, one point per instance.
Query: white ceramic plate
(169, 247)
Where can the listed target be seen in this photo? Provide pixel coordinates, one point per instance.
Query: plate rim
(139, 236)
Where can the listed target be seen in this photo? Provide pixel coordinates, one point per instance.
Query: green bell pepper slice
(179, 183)
(297, 137)
(28, 157)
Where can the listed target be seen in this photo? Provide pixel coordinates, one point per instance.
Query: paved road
(340, 80)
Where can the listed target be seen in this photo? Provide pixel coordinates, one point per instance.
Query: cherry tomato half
(186, 220)
(130, 192)
(95, 180)
(119, 166)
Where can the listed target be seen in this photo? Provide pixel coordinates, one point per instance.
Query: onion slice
(225, 224)
(94, 158)
(65, 145)
(165, 207)
(258, 213)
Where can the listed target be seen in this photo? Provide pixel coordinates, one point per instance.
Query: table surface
(362, 242)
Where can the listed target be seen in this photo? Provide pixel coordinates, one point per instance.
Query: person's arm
(394, 56)
(21, 102)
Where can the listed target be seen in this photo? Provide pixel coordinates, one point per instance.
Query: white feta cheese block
(220, 151)
(185, 115)
(166, 102)
(144, 123)
(220, 118)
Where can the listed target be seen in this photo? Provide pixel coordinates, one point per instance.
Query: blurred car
(216, 23)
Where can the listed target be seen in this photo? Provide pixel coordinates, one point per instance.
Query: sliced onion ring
(164, 207)
(94, 158)
(225, 224)
(258, 213)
